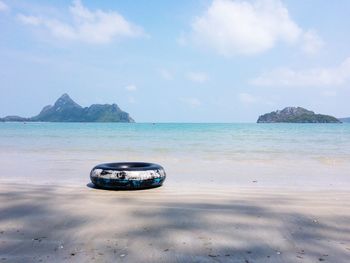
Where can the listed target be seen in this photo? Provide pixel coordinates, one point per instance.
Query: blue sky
(176, 61)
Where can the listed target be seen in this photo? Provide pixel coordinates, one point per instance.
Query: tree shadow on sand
(242, 231)
(49, 225)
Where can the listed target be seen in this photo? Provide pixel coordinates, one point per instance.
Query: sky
(176, 61)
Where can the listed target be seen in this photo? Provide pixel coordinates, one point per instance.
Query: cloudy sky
(177, 61)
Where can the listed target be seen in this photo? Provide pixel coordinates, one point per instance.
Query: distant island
(66, 110)
(296, 115)
(346, 120)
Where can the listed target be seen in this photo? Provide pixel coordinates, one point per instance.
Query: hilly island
(67, 110)
(296, 115)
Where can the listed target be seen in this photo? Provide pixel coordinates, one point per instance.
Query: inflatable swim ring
(128, 175)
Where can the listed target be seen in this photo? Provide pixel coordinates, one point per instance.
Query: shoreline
(205, 187)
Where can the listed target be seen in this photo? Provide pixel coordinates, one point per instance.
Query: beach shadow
(33, 228)
(49, 225)
(239, 230)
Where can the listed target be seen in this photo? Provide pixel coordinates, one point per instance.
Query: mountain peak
(295, 111)
(64, 96)
(65, 100)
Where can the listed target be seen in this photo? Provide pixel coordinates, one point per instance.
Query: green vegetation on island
(296, 115)
(66, 110)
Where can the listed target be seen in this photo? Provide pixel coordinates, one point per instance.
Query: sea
(201, 154)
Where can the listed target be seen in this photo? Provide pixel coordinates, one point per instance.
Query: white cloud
(198, 77)
(241, 27)
(247, 98)
(131, 87)
(192, 102)
(95, 27)
(3, 7)
(166, 74)
(312, 43)
(335, 76)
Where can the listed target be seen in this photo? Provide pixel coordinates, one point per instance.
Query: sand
(46, 223)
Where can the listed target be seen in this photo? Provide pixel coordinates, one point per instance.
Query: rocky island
(296, 115)
(66, 110)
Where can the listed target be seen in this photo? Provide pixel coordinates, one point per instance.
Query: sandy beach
(233, 193)
(170, 224)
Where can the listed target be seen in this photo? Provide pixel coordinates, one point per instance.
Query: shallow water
(206, 151)
(243, 141)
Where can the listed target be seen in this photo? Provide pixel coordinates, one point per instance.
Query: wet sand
(173, 224)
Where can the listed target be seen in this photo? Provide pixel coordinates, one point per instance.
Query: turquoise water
(275, 155)
(212, 140)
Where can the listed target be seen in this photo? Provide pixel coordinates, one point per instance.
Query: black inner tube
(129, 166)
